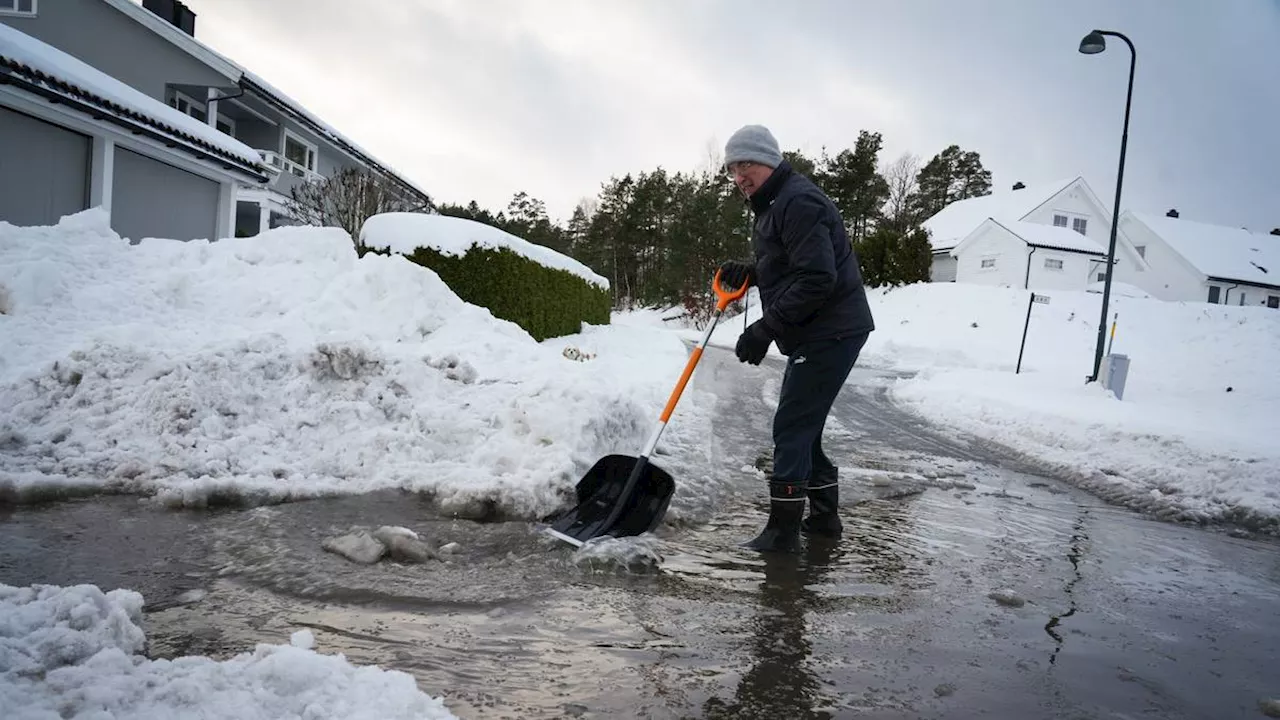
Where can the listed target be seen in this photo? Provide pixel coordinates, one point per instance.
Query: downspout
(1226, 296)
(1026, 283)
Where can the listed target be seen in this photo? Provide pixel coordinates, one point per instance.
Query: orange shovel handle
(727, 296)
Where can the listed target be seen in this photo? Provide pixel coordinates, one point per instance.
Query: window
(1102, 277)
(299, 155)
(1079, 224)
(198, 110)
(1142, 250)
(1273, 301)
(1059, 220)
(988, 262)
(1053, 263)
(18, 7)
(1215, 294)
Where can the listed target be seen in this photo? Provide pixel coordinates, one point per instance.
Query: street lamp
(1092, 44)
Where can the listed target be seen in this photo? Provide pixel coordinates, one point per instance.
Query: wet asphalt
(966, 585)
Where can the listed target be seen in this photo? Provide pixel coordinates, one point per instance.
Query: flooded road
(965, 586)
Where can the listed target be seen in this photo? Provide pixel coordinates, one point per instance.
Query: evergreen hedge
(546, 302)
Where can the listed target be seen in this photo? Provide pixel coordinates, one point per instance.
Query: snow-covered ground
(1195, 435)
(77, 652)
(282, 366)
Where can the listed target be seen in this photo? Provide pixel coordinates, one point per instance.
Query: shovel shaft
(723, 299)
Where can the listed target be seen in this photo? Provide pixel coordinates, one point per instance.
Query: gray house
(116, 104)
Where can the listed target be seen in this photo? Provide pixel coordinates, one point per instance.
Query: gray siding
(254, 133)
(153, 199)
(105, 38)
(44, 170)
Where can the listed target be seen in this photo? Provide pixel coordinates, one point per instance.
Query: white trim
(225, 226)
(289, 164)
(15, 12)
(102, 172)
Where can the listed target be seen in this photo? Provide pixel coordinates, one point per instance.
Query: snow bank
(1179, 443)
(76, 652)
(405, 232)
(282, 366)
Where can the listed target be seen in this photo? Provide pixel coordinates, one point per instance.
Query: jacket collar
(768, 191)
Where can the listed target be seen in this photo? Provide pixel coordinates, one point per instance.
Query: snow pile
(1194, 437)
(404, 232)
(76, 652)
(282, 366)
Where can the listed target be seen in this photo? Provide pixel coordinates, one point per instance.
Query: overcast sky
(479, 99)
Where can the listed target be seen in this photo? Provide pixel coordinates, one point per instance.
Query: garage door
(154, 199)
(44, 170)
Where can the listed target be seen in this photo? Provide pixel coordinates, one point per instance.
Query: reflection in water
(1078, 537)
(780, 683)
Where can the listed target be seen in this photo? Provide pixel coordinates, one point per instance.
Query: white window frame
(293, 167)
(1273, 301)
(988, 263)
(1053, 264)
(179, 96)
(10, 7)
(1080, 224)
(1063, 218)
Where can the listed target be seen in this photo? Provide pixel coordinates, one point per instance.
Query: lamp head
(1093, 43)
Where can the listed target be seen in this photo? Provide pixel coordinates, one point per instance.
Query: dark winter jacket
(806, 271)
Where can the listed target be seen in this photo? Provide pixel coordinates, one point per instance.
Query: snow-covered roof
(1221, 252)
(59, 73)
(1055, 238)
(402, 232)
(954, 222)
(239, 73)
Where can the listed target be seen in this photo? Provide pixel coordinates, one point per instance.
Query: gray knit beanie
(754, 143)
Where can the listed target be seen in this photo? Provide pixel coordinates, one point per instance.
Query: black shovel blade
(601, 490)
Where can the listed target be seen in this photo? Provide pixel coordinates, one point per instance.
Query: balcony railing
(283, 165)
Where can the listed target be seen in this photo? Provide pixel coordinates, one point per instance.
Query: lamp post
(1092, 44)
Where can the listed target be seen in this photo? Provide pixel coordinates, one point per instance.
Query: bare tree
(349, 197)
(901, 176)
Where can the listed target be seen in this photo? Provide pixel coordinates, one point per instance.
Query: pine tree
(855, 186)
(949, 176)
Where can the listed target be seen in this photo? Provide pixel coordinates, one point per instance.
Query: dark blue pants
(815, 373)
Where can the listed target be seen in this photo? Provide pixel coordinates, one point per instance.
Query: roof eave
(102, 110)
(1237, 281)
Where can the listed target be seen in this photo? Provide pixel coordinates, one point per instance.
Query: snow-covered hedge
(546, 293)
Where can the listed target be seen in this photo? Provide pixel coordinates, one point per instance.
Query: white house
(1052, 236)
(1195, 261)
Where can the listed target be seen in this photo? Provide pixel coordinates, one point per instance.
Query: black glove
(733, 274)
(754, 343)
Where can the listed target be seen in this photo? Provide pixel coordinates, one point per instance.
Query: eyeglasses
(738, 168)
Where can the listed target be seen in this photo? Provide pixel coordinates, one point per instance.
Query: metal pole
(1115, 210)
(1025, 325)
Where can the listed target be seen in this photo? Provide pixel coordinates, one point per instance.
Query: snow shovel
(623, 495)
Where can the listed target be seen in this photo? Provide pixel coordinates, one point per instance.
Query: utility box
(1115, 370)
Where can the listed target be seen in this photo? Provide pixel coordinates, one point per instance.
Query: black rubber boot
(786, 508)
(824, 506)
